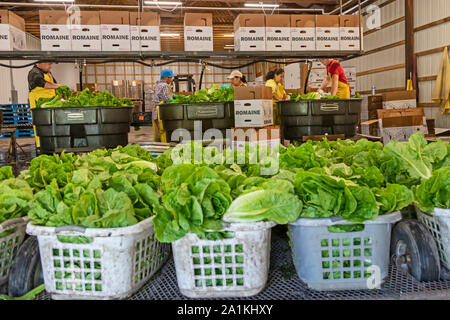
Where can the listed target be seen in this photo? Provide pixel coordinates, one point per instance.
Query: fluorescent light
(261, 5)
(54, 0)
(164, 3)
(169, 34)
(229, 46)
(228, 35)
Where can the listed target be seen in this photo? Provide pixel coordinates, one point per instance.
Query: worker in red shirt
(339, 83)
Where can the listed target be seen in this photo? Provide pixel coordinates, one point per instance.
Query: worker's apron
(159, 134)
(37, 93)
(343, 91)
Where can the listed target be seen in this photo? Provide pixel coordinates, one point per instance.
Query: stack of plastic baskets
(17, 114)
(438, 223)
(235, 267)
(92, 263)
(329, 261)
(12, 234)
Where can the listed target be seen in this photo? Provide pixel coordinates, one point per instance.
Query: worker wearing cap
(162, 94)
(41, 84)
(237, 79)
(339, 83)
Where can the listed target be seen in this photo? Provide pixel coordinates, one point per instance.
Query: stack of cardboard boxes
(259, 32)
(253, 117)
(397, 116)
(319, 72)
(198, 32)
(99, 31)
(12, 31)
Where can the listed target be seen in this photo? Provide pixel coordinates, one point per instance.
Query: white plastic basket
(328, 261)
(438, 223)
(14, 230)
(114, 263)
(236, 267)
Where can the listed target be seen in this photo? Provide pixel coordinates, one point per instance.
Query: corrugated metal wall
(374, 40)
(438, 36)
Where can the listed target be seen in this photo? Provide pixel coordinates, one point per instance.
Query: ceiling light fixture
(54, 0)
(170, 34)
(228, 35)
(163, 3)
(261, 5)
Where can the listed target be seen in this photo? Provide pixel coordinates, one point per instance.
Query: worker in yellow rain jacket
(335, 74)
(41, 84)
(274, 79)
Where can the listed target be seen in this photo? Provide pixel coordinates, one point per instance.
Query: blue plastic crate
(17, 114)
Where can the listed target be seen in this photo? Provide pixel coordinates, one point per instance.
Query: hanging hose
(201, 76)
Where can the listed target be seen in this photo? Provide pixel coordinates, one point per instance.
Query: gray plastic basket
(328, 261)
(236, 267)
(438, 223)
(13, 231)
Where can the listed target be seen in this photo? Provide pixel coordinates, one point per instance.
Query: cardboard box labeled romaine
(399, 99)
(303, 32)
(278, 33)
(253, 106)
(55, 30)
(250, 32)
(349, 32)
(198, 32)
(115, 30)
(12, 31)
(145, 31)
(85, 31)
(327, 33)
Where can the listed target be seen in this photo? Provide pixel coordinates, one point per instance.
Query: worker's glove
(224, 86)
(174, 96)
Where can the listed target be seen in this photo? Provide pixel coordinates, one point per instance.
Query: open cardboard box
(115, 30)
(278, 32)
(145, 31)
(303, 32)
(253, 106)
(55, 30)
(250, 32)
(399, 124)
(400, 99)
(12, 31)
(198, 32)
(85, 31)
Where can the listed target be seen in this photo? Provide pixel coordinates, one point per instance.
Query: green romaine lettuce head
(305, 96)
(64, 92)
(434, 192)
(215, 93)
(325, 196)
(15, 195)
(393, 197)
(304, 157)
(84, 98)
(195, 199)
(102, 189)
(274, 201)
(6, 173)
(408, 162)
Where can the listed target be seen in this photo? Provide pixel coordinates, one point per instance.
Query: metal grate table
(284, 284)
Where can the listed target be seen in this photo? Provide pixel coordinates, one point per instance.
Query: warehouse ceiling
(224, 13)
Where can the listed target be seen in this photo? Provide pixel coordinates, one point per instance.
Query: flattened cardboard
(407, 121)
(253, 93)
(392, 113)
(327, 32)
(303, 32)
(55, 30)
(86, 35)
(399, 95)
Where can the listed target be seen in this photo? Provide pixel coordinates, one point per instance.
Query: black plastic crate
(82, 127)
